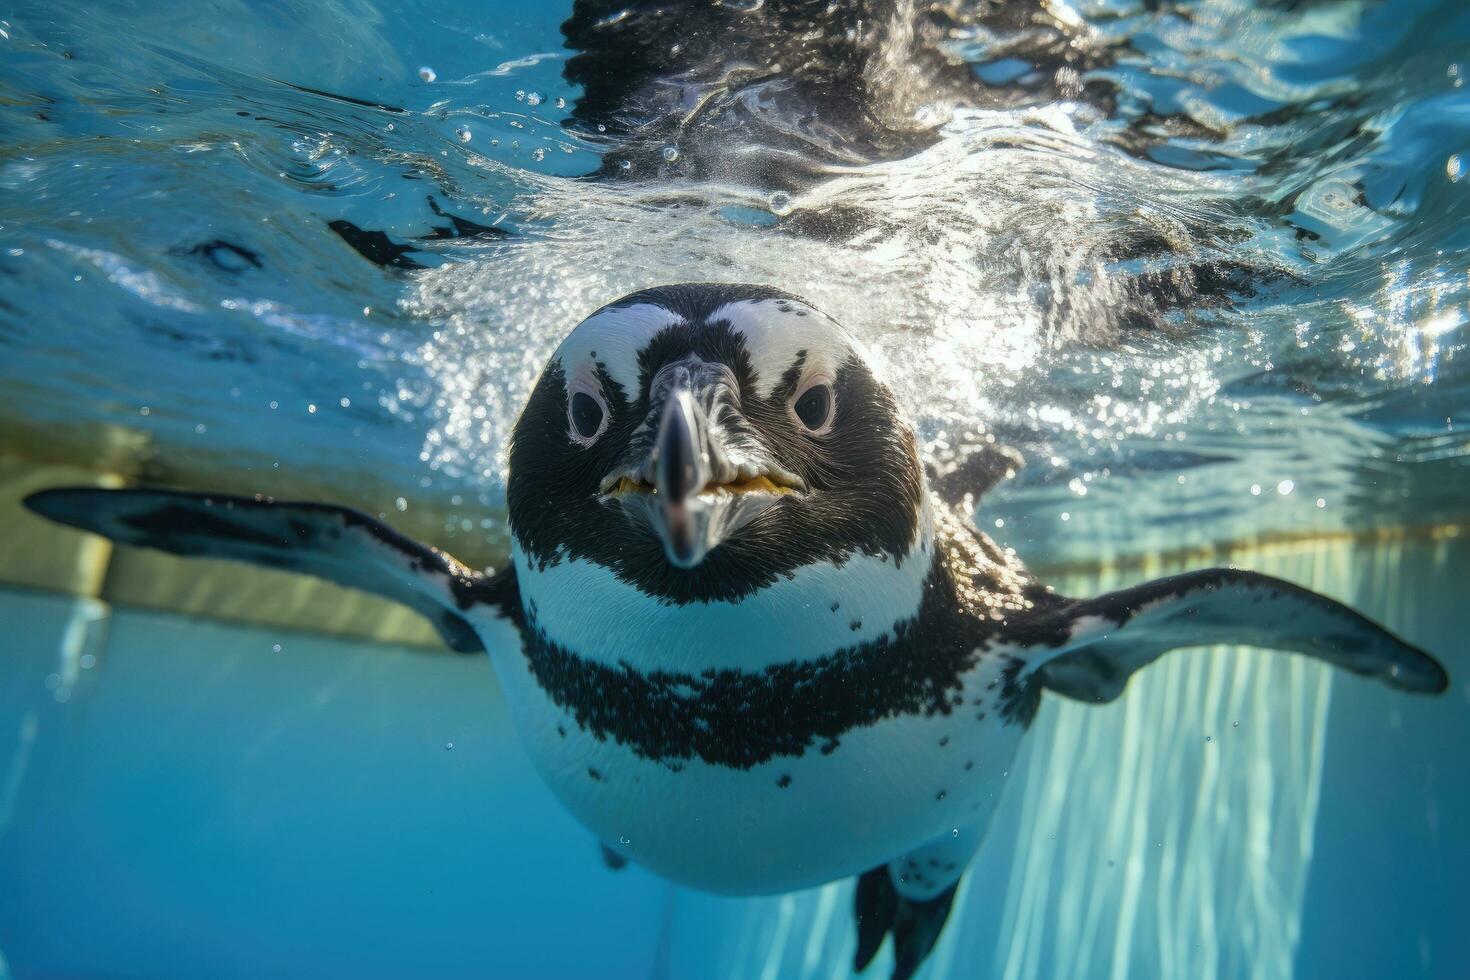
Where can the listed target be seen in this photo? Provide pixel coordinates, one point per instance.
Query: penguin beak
(681, 468)
(700, 473)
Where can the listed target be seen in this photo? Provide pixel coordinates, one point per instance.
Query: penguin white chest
(786, 771)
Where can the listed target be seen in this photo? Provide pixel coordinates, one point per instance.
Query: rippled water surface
(167, 176)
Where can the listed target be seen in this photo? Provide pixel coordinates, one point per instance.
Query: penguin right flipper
(1088, 648)
(339, 544)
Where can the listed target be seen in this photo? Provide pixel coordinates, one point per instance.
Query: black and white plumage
(756, 653)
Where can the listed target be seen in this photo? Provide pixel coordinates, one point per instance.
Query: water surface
(167, 179)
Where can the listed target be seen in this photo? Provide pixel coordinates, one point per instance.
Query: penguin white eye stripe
(587, 412)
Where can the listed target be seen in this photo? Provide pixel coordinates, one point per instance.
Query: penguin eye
(813, 407)
(587, 413)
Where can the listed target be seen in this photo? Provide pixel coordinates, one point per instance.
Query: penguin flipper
(339, 544)
(1090, 647)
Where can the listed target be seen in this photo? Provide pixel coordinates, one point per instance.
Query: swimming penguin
(756, 653)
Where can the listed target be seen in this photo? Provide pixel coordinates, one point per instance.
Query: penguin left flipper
(1087, 649)
(339, 544)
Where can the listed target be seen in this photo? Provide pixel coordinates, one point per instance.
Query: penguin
(753, 650)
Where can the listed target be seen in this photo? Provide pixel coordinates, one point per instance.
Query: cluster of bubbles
(940, 284)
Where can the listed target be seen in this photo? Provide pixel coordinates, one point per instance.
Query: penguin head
(701, 441)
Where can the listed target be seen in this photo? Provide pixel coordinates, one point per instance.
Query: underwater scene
(735, 488)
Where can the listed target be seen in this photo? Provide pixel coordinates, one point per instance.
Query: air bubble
(464, 134)
(448, 746)
(624, 841)
(538, 154)
(275, 648)
(671, 153)
(427, 74)
(780, 203)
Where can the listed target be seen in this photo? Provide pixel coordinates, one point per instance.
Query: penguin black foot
(611, 858)
(915, 925)
(874, 907)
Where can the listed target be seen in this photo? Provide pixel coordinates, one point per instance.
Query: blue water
(212, 800)
(204, 809)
